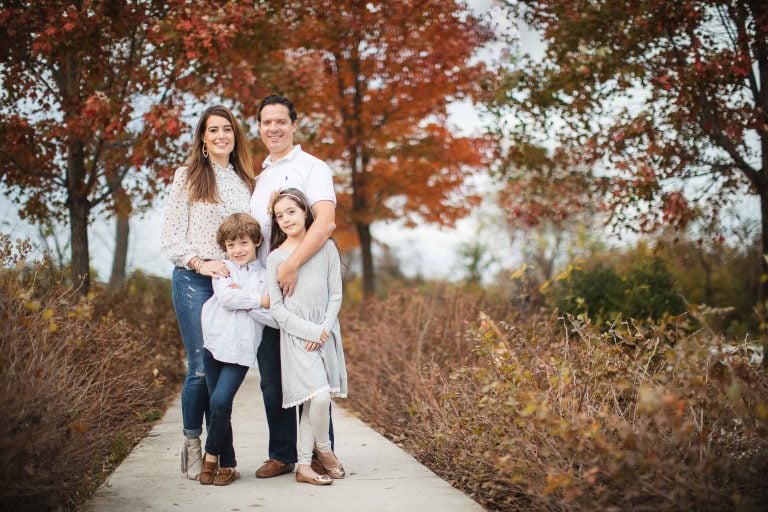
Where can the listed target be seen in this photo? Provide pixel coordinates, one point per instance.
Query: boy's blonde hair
(238, 225)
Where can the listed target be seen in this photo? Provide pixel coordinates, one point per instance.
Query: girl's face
(219, 138)
(290, 217)
(241, 251)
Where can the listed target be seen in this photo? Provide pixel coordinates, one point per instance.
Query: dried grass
(551, 414)
(80, 382)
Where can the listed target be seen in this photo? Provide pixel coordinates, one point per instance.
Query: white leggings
(313, 427)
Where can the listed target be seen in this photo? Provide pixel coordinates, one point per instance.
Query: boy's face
(241, 250)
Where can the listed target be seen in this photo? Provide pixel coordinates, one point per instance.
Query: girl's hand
(234, 286)
(213, 268)
(311, 346)
(324, 337)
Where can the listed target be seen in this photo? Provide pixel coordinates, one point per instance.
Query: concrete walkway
(380, 476)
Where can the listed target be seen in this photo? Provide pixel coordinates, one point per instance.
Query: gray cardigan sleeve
(287, 320)
(334, 286)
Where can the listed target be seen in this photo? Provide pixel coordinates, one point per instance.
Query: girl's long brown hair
(201, 180)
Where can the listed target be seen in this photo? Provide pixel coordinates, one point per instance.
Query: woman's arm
(173, 241)
(288, 321)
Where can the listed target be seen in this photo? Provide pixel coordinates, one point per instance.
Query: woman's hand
(213, 268)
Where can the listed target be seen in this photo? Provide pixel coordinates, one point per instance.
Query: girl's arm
(334, 287)
(234, 297)
(263, 316)
(288, 321)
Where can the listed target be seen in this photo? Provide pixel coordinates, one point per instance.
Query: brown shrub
(546, 413)
(80, 382)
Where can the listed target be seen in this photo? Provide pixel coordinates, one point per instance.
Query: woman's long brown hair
(201, 180)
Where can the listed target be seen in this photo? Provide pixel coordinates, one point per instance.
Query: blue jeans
(189, 291)
(223, 379)
(281, 422)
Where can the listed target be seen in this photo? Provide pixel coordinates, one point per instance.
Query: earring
(205, 151)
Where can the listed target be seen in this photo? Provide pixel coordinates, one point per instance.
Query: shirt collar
(290, 156)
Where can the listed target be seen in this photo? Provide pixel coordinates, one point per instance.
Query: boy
(232, 320)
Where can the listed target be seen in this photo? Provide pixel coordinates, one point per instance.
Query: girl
(312, 357)
(217, 180)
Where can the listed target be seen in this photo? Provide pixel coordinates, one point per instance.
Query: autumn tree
(379, 78)
(92, 96)
(664, 103)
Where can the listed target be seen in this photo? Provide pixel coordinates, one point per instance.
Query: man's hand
(287, 273)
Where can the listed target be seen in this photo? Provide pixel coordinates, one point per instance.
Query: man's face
(276, 130)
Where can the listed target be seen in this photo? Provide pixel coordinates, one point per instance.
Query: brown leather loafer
(225, 476)
(272, 467)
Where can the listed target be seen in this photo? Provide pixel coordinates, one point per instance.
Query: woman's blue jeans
(189, 291)
(223, 379)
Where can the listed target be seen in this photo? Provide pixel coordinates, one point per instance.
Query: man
(286, 166)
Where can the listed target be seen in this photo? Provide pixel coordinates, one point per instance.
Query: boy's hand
(234, 286)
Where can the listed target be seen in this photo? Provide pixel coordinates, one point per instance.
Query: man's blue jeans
(282, 422)
(223, 379)
(189, 291)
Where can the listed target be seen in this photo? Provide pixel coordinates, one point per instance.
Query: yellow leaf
(53, 327)
(48, 314)
(517, 274)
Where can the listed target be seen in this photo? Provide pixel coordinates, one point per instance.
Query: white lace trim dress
(313, 307)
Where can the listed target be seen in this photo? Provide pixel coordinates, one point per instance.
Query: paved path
(380, 476)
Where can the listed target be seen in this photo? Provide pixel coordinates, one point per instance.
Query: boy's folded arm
(234, 298)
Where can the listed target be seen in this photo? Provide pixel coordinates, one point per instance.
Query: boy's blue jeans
(189, 291)
(223, 380)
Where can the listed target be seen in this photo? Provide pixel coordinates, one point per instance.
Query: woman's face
(219, 138)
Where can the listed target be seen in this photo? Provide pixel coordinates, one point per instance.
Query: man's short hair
(238, 225)
(276, 99)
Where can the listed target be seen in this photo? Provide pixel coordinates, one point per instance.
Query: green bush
(646, 292)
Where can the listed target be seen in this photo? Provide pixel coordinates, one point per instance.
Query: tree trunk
(79, 210)
(364, 235)
(763, 290)
(120, 258)
(122, 228)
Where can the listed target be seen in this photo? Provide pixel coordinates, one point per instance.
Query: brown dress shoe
(225, 476)
(208, 473)
(272, 467)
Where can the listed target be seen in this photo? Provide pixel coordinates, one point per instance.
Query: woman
(215, 182)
